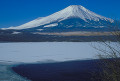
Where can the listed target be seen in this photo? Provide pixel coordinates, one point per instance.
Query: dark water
(64, 71)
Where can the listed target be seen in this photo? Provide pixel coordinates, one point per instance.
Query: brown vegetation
(109, 53)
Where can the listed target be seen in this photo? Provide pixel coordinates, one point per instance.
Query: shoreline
(7, 73)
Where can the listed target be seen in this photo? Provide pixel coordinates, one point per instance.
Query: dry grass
(79, 33)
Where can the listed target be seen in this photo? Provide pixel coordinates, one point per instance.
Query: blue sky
(17, 12)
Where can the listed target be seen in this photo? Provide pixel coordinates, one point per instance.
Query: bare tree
(109, 55)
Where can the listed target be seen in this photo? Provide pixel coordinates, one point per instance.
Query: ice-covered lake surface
(7, 74)
(32, 52)
(46, 51)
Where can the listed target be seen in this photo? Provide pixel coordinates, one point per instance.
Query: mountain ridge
(72, 11)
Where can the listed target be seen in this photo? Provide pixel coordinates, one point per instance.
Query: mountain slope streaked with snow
(73, 11)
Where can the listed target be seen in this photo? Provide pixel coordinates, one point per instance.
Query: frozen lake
(46, 51)
(31, 52)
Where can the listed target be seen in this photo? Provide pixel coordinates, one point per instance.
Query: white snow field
(46, 51)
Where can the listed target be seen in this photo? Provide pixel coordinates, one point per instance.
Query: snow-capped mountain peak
(73, 11)
(83, 13)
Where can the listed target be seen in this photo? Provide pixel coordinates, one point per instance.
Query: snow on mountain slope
(51, 25)
(73, 11)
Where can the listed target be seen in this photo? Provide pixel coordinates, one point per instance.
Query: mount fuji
(72, 18)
